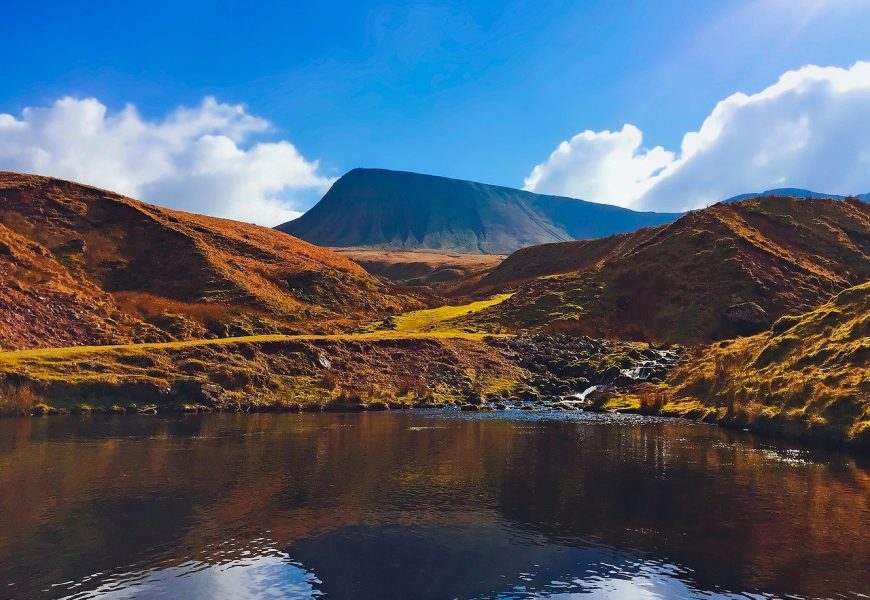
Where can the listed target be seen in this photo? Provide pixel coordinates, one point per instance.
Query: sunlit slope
(422, 359)
(809, 375)
(144, 273)
(727, 270)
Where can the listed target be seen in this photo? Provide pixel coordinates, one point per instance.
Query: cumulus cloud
(600, 165)
(200, 159)
(810, 129)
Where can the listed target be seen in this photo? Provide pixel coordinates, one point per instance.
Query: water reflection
(422, 505)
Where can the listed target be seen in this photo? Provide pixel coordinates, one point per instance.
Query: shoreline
(381, 372)
(766, 432)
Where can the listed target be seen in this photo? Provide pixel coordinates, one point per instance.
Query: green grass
(439, 320)
(420, 324)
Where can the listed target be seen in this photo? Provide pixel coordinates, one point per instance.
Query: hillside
(808, 376)
(85, 266)
(731, 269)
(425, 268)
(376, 207)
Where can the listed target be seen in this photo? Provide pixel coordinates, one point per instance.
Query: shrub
(328, 381)
(18, 399)
(652, 401)
(149, 306)
(415, 386)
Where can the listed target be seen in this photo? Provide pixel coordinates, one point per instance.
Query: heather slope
(731, 269)
(143, 273)
(376, 207)
(808, 376)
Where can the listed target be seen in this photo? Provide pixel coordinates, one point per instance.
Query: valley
(435, 300)
(261, 321)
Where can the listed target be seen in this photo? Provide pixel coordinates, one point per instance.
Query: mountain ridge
(793, 193)
(400, 209)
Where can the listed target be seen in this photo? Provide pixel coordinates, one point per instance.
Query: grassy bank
(296, 373)
(809, 377)
(421, 360)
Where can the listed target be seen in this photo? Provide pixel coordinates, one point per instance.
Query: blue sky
(476, 90)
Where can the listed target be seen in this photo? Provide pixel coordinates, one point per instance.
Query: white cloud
(198, 159)
(810, 129)
(600, 166)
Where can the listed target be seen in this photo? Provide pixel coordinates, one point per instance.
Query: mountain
(807, 376)
(79, 265)
(376, 207)
(730, 269)
(792, 193)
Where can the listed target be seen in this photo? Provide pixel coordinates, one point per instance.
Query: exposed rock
(746, 318)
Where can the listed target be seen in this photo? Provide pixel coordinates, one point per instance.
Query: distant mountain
(381, 208)
(793, 193)
(80, 265)
(730, 269)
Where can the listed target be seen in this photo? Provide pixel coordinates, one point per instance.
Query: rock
(649, 354)
(388, 323)
(610, 374)
(577, 369)
(470, 407)
(578, 383)
(746, 318)
(623, 380)
(474, 398)
(194, 392)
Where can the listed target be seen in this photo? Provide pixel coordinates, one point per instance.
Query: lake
(423, 505)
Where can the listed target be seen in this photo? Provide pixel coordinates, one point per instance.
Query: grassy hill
(808, 376)
(377, 207)
(731, 269)
(85, 266)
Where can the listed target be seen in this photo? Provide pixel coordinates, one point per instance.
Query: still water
(423, 505)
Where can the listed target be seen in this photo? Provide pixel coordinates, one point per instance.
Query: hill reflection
(423, 505)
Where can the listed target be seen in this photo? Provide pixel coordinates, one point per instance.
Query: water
(423, 505)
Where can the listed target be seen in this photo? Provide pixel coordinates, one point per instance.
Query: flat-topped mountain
(382, 208)
(80, 265)
(730, 269)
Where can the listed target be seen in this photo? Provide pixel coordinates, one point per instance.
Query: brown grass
(149, 306)
(18, 399)
(652, 401)
(678, 283)
(92, 267)
(329, 380)
(809, 379)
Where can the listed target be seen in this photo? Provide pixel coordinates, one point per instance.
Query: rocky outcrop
(746, 318)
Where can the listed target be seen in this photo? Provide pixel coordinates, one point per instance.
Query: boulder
(746, 318)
